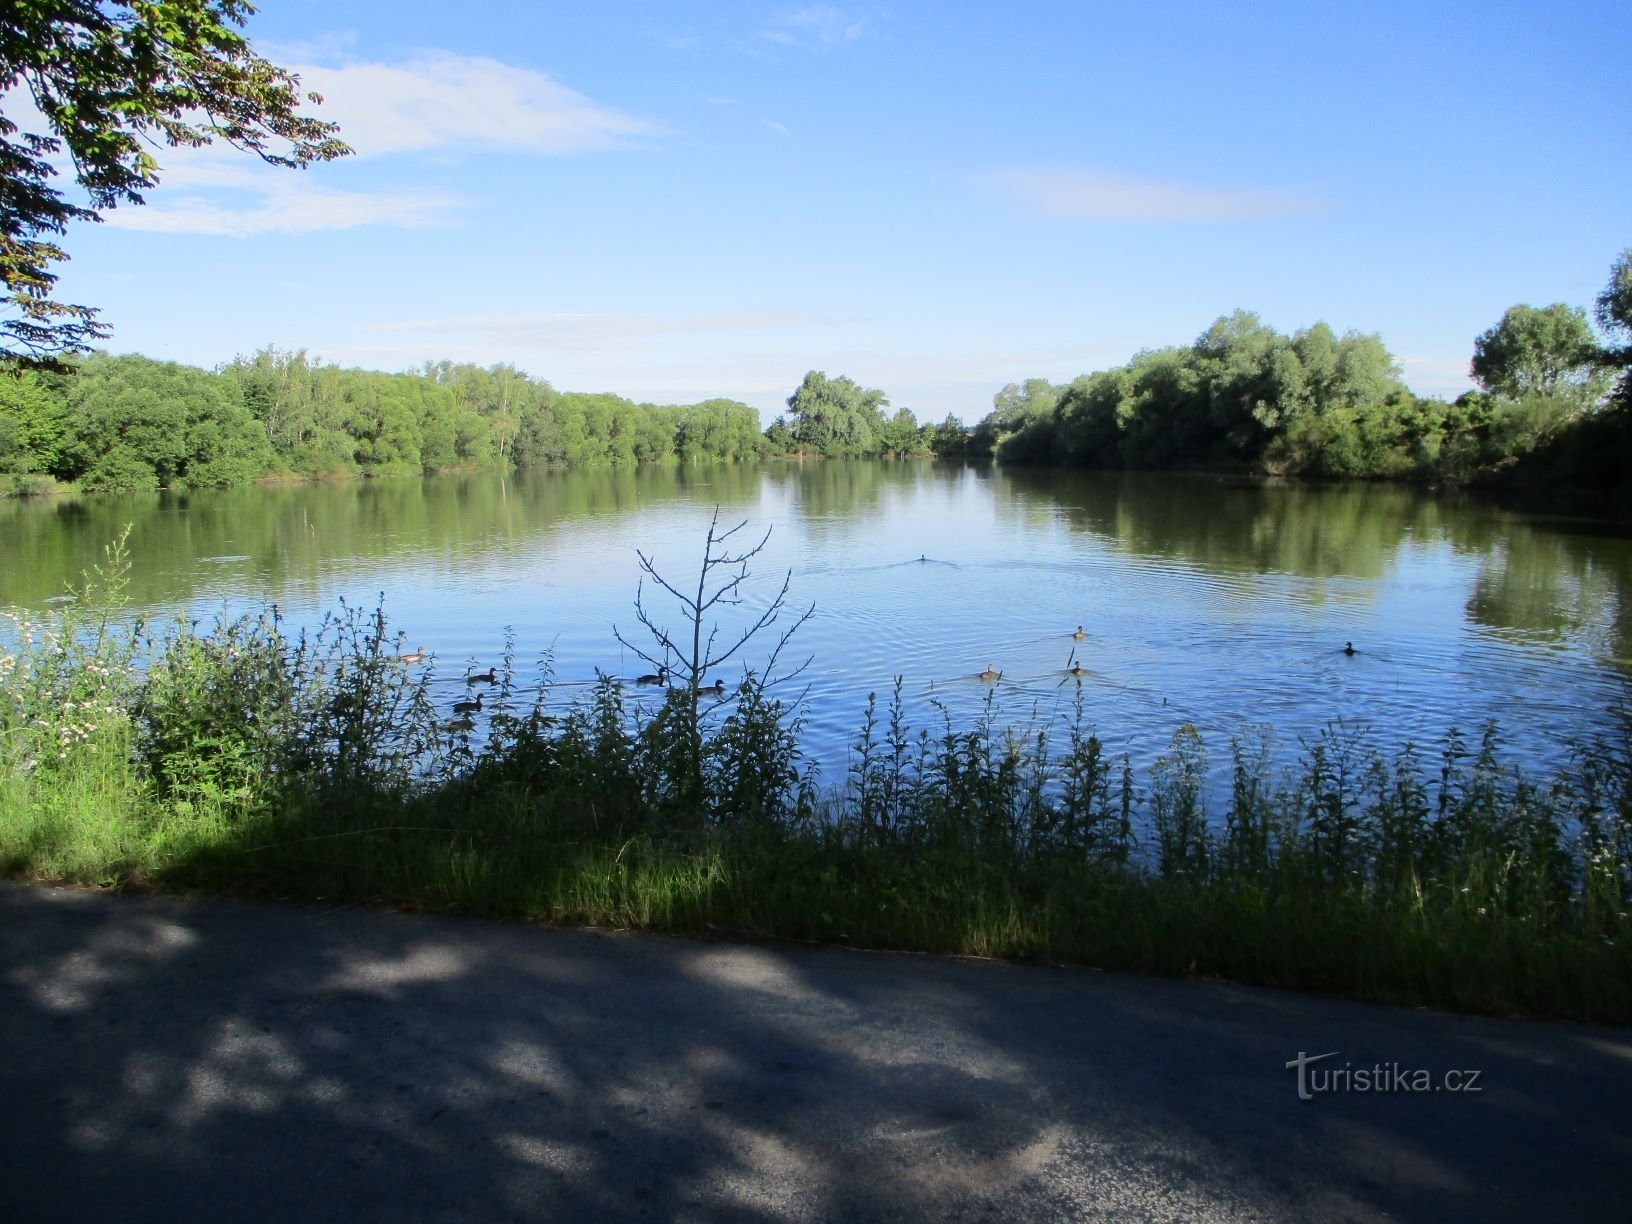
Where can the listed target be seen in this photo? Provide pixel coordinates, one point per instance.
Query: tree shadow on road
(172, 1059)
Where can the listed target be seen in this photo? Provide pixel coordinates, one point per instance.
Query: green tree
(33, 422)
(1613, 310)
(1550, 352)
(135, 423)
(900, 436)
(779, 437)
(833, 416)
(108, 78)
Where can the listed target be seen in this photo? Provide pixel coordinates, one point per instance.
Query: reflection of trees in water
(1555, 583)
(1535, 576)
(837, 498)
(1313, 531)
(289, 532)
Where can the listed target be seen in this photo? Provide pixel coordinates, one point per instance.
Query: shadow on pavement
(169, 1058)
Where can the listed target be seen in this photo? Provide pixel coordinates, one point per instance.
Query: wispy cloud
(435, 106)
(441, 101)
(821, 24)
(244, 200)
(1088, 195)
(587, 333)
(780, 128)
(675, 42)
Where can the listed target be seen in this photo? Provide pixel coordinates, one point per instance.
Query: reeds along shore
(238, 758)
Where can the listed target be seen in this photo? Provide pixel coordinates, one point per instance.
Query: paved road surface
(201, 1060)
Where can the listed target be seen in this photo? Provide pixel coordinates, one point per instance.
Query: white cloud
(289, 210)
(435, 106)
(217, 192)
(444, 101)
(815, 23)
(1088, 195)
(779, 128)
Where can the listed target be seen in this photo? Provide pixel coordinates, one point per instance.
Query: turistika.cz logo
(1389, 1077)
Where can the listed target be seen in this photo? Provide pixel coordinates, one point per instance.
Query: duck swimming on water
(991, 672)
(1348, 649)
(487, 677)
(417, 656)
(660, 677)
(1079, 634)
(468, 707)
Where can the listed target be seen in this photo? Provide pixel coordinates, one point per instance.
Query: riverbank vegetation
(1554, 413)
(242, 758)
(1554, 409)
(133, 423)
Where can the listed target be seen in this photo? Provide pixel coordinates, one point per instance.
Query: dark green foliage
(1244, 397)
(132, 423)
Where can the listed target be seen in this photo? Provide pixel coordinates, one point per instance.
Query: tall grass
(237, 757)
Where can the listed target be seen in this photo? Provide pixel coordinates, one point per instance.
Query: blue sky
(674, 201)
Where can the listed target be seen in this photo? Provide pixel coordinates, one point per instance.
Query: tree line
(1554, 404)
(1554, 408)
(106, 422)
(130, 422)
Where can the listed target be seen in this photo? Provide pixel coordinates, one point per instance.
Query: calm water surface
(1220, 603)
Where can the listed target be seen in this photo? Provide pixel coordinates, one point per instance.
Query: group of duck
(466, 711)
(661, 677)
(1074, 668)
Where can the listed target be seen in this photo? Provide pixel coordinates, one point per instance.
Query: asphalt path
(176, 1059)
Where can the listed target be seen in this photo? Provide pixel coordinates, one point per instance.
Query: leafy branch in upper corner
(107, 80)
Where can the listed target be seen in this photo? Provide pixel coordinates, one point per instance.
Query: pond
(1223, 603)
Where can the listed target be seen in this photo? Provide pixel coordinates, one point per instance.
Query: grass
(237, 759)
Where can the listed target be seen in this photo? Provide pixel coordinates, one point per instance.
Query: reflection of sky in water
(1223, 607)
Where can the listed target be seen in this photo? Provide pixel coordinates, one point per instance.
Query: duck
(468, 707)
(1348, 649)
(1079, 634)
(488, 677)
(991, 672)
(712, 690)
(1076, 669)
(660, 677)
(417, 656)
